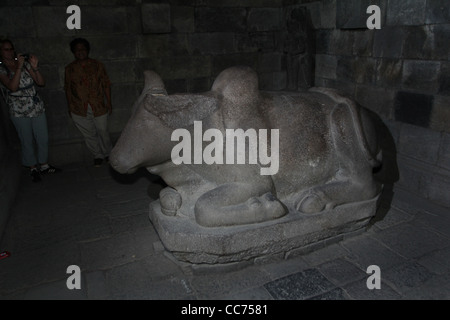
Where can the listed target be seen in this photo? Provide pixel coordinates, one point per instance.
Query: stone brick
(51, 21)
(344, 42)
(119, 71)
(55, 102)
(221, 62)
(182, 19)
(444, 154)
(53, 75)
(440, 117)
(441, 34)
(272, 81)
(359, 70)
(406, 276)
(245, 42)
(220, 19)
(379, 100)
(326, 66)
(413, 108)
(159, 45)
(388, 42)
(314, 13)
(198, 85)
(181, 67)
(97, 20)
(362, 249)
(328, 14)
(363, 42)
(17, 22)
(352, 14)
(264, 41)
(176, 86)
(437, 189)
(123, 96)
(422, 76)
(58, 126)
(349, 14)
(264, 19)
(394, 128)
(237, 3)
(407, 12)
(345, 87)
(59, 54)
(410, 177)
(299, 286)
(280, 80)
(212, 43)
(438, 11)
(418, 43)
(419, 143)
(365, 70)
(341, 272)
(323, 40)
(91, 2)
(119, 115)
(156, 18)
(269, 62)
(389, 72)
(444, 79)
(134, 24)
(106, 47)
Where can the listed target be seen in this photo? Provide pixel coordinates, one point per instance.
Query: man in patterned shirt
(88, 93)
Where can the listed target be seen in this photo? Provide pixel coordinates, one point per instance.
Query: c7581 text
(238, 309)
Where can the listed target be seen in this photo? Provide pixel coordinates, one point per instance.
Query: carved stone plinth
(189, 242)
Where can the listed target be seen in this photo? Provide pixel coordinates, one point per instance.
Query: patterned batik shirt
(25, 102)
(85, 85)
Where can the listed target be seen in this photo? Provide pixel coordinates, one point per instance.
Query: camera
(26, 56)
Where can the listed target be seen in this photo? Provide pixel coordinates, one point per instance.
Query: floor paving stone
(98, 220)
(411, 241)
(341, 272)
(299, 286)
(358, 290)
(365, 251)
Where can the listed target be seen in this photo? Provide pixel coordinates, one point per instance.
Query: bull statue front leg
(243, 196)
(238, 203)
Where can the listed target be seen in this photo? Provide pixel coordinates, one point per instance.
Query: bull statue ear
(181, 110)
(153, 84)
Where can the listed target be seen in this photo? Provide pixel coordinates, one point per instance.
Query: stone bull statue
(323, 150)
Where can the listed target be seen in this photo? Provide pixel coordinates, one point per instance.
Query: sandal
(35, 175)
(50, 169)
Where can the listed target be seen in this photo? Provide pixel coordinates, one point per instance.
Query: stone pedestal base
(191, 243)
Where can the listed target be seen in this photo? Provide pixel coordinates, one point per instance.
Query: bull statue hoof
(170, 201)
(251, 172)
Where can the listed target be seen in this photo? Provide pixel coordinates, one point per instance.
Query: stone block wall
(401, 72)
(187, 42)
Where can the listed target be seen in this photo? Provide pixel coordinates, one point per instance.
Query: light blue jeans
(31, 130)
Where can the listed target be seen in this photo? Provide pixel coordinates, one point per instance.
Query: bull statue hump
(269, 167)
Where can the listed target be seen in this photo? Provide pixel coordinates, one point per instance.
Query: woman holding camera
(18, 75)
